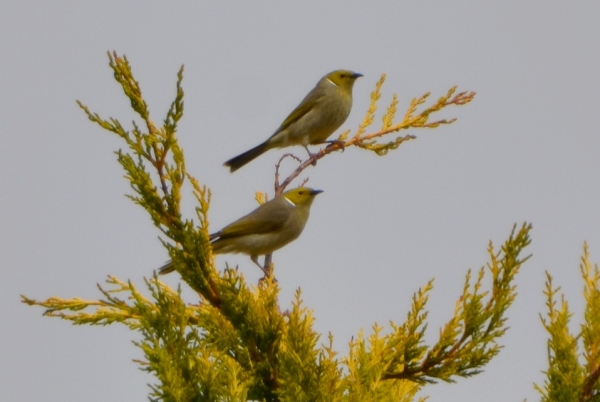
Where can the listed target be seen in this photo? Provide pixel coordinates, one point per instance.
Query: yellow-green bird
(320, 113)
(264, 230)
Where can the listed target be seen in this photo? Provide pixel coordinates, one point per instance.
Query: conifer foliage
(235, 344)
(572, 374)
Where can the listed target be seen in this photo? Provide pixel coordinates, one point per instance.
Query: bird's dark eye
(300, 192)
(342, 75)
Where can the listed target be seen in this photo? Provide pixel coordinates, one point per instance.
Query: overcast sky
(526, 149)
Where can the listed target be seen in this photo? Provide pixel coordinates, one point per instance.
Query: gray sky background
(526, 149)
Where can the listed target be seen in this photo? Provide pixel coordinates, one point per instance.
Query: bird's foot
(262, 280)
(340, 144)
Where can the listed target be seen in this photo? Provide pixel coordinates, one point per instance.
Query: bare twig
(367, 141)
(279, 189)
(326, 151)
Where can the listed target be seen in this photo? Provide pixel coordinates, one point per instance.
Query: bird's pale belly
(256, 244)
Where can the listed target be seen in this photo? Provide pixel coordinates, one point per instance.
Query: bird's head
(343, 78)
(301, 196)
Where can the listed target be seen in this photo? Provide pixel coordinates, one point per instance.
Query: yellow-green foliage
(573, 375)
(234, 343)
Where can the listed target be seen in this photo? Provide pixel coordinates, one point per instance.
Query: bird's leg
(266, 269)
(311, 156)
(269, 267)
(254, 259)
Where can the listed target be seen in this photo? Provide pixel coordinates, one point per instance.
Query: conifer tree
(573, 375)
(233, 343)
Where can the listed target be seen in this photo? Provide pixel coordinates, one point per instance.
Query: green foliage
(573, 375)
(234, 343)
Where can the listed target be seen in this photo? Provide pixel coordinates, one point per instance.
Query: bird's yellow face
(343, 78)
(301, 195)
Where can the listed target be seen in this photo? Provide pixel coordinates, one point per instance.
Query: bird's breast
(318, 124)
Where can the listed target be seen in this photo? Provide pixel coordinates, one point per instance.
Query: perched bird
(264, 230)
(320, 113)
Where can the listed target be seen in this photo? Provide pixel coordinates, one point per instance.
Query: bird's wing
(302, 109)
(269, 217)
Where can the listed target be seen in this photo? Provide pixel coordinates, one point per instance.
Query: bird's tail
(166, 269)
(248, 156)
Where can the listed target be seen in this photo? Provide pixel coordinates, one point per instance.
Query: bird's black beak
(357, 75)
(315, 192)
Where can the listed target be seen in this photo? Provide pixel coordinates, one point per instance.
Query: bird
(269, 227)
(321, 112)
